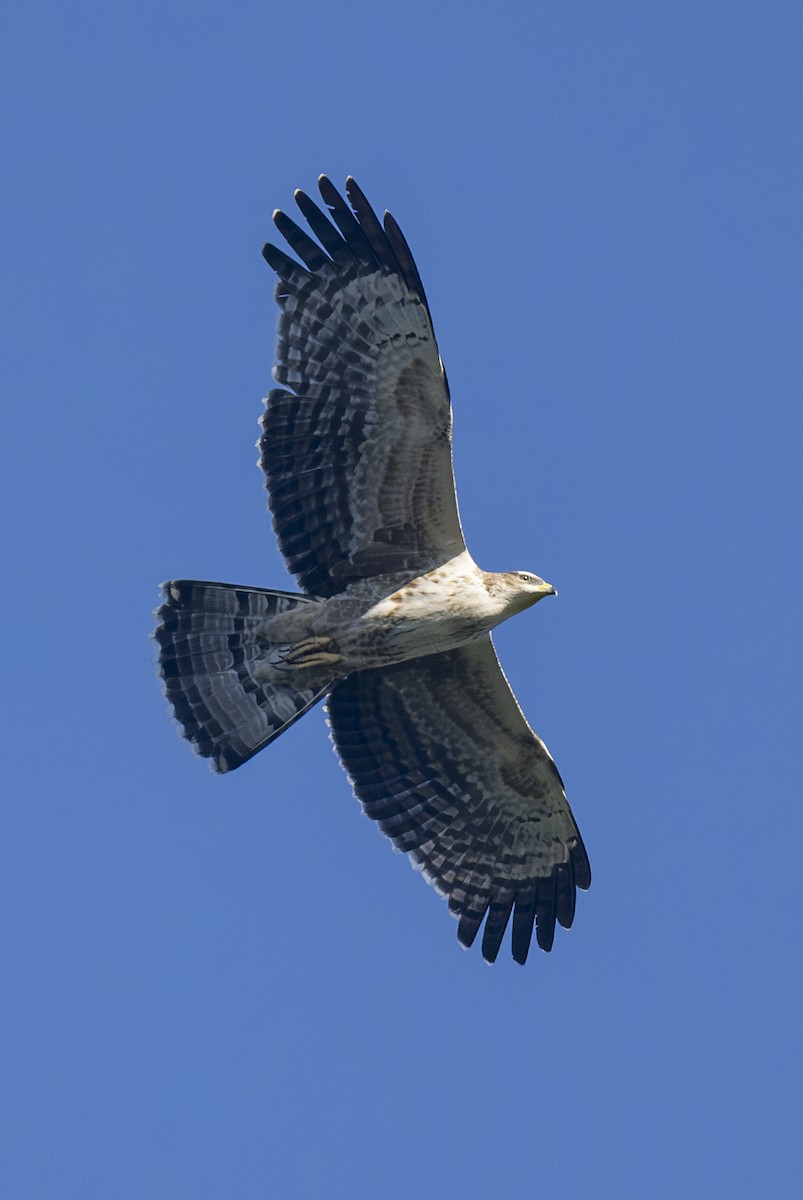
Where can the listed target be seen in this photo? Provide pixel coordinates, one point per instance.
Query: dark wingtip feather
(495, 926)
(326, 233)
(308, 251)
(284, 266)
(371, 225)
(580, 864)
(404, 257)
(523, 921)
(565, 894)
(352, 233)
(468, 928)
(347, 223)
(545, 913)
(328, 190)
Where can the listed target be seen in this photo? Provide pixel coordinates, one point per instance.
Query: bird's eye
(524, 577)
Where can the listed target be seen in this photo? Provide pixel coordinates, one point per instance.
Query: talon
(305, 649)
(312, 652)
(318, 660)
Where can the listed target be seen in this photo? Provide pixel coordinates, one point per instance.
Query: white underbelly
(442, 610)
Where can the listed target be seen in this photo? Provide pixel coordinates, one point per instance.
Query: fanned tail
(209, 657)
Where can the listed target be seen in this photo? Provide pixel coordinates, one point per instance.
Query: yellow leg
(312, 652)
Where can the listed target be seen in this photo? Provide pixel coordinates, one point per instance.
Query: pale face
(524, 588)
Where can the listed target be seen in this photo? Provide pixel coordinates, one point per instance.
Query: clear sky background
(230, 987)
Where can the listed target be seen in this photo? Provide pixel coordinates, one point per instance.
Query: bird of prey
(393, 625)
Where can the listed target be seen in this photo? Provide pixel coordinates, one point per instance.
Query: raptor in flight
(393, 626)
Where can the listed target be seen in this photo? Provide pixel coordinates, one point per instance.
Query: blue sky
(230, 986)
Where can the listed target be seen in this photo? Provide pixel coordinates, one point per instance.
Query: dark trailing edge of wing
(348, 238)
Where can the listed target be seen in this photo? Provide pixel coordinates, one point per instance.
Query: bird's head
(520, 589)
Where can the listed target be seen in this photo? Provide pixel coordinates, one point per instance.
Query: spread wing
(442, 757)
(357, 457)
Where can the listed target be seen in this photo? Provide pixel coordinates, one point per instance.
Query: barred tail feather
(209, 650)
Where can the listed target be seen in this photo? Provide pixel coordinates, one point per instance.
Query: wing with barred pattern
(357, 457)
(440, 754)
